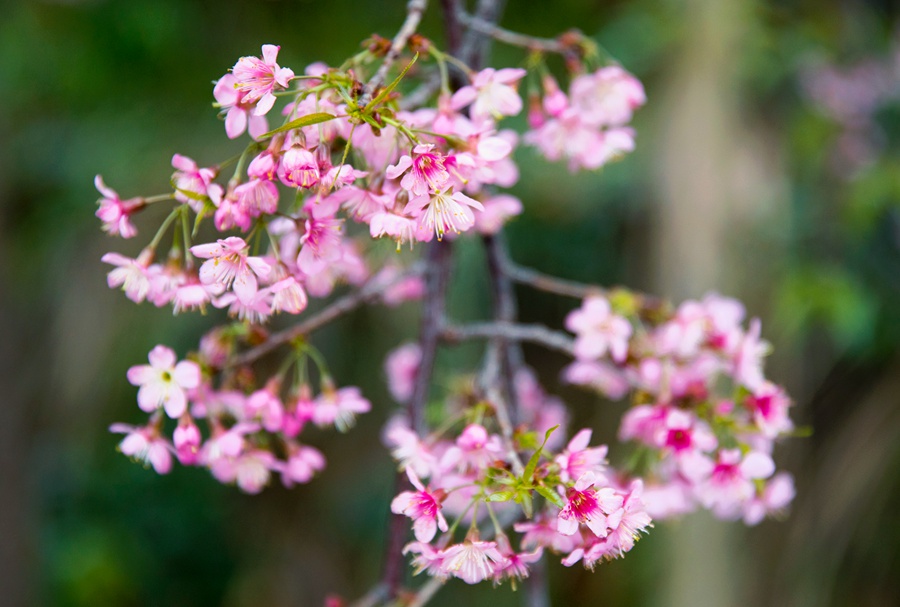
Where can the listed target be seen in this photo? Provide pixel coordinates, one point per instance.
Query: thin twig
(414, 11)
(482, 26)
(539, 334)
(551, 284)
(369, 292)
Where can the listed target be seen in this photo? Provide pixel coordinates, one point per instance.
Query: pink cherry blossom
(607, 97)
(578, 458)
(192, 184)
(402, 366)
(442, 212)
(302, 464)
(163, 383)
(187, 441)
(423, 172)
(321, 242)
(492, 94)
(133, 275)
(239, 115)
(257, 78)
(599, 330)
(587, 505)
(472, 561)
(114, 212)
(497, 211)
(228, 264)
(423, 507)
(407, 448)
(339, 407)
(146, 446)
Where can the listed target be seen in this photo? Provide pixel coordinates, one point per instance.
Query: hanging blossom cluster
(356, 170)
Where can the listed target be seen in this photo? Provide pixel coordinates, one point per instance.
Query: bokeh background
(768, 168)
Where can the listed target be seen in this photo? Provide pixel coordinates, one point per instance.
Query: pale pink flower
(321, 242)
(133, 275)
(769, 408)
(497, 211)
(257, 78)
(748, 359)
(145, 446)
(669, 499)
(731, 484)
(407, 447)
(578, 458)
(427, 559)
(289, 296)
(644, 423)
(608, 97)
(192, 184)
(442, 212)
(114, 212)
(238, 115)
(599, 330)
(599, 375)
(298, 168)
(542, 531)
(265, 406)
(255, 310)
(250, 470)
(626, 523)
(191, 294)
(397, 227)
(302, 464)
(777, 494)
(229, 214)
(423, 506)
(472, 561)
(187, 441)
(587, 505)
(492, 94)
(339, 407)
(228, 264)
(424, 171)
(475, 449)
(516, 563)
(401, 367)
(163, 383)
(256, 197)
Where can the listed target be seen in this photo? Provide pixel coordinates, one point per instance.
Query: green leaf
(551, 496)
(500, 496)
(533, 462)
(308, 120)
(389, 88)
(527, 504)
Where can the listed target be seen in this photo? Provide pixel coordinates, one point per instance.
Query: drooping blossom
(164, 382)
(578, 458)
(302, 464)
(599, 330)
(423, 171)
(441, 212)
(146, 446)
(257, 78)
(607, 97)
(492, 94)
(229, 265)
(133, 275)
(472, 561)
(588, 506)
(401, 367)
(238, 117)
(422, 506)
(339, 407)
(114, 212)
(193, 184)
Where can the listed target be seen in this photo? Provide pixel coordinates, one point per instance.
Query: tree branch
(489, 28)
(414, 11)
(539, 334)
(368, 293)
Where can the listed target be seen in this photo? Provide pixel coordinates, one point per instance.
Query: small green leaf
(500, 496)
(389, 88)
(533, 462)
(551, 495)
(308, 120)
(527, 504)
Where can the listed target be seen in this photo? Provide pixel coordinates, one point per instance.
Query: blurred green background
(768, 168)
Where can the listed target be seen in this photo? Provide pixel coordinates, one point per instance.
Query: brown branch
(551, 284)
(370, 292)
(488, 28)
(414, 11)
(538, 334)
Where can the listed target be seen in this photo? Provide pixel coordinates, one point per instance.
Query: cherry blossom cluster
(249, 436)
(576, 504)
(702, 413)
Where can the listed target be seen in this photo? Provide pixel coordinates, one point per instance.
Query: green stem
(163, 228)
